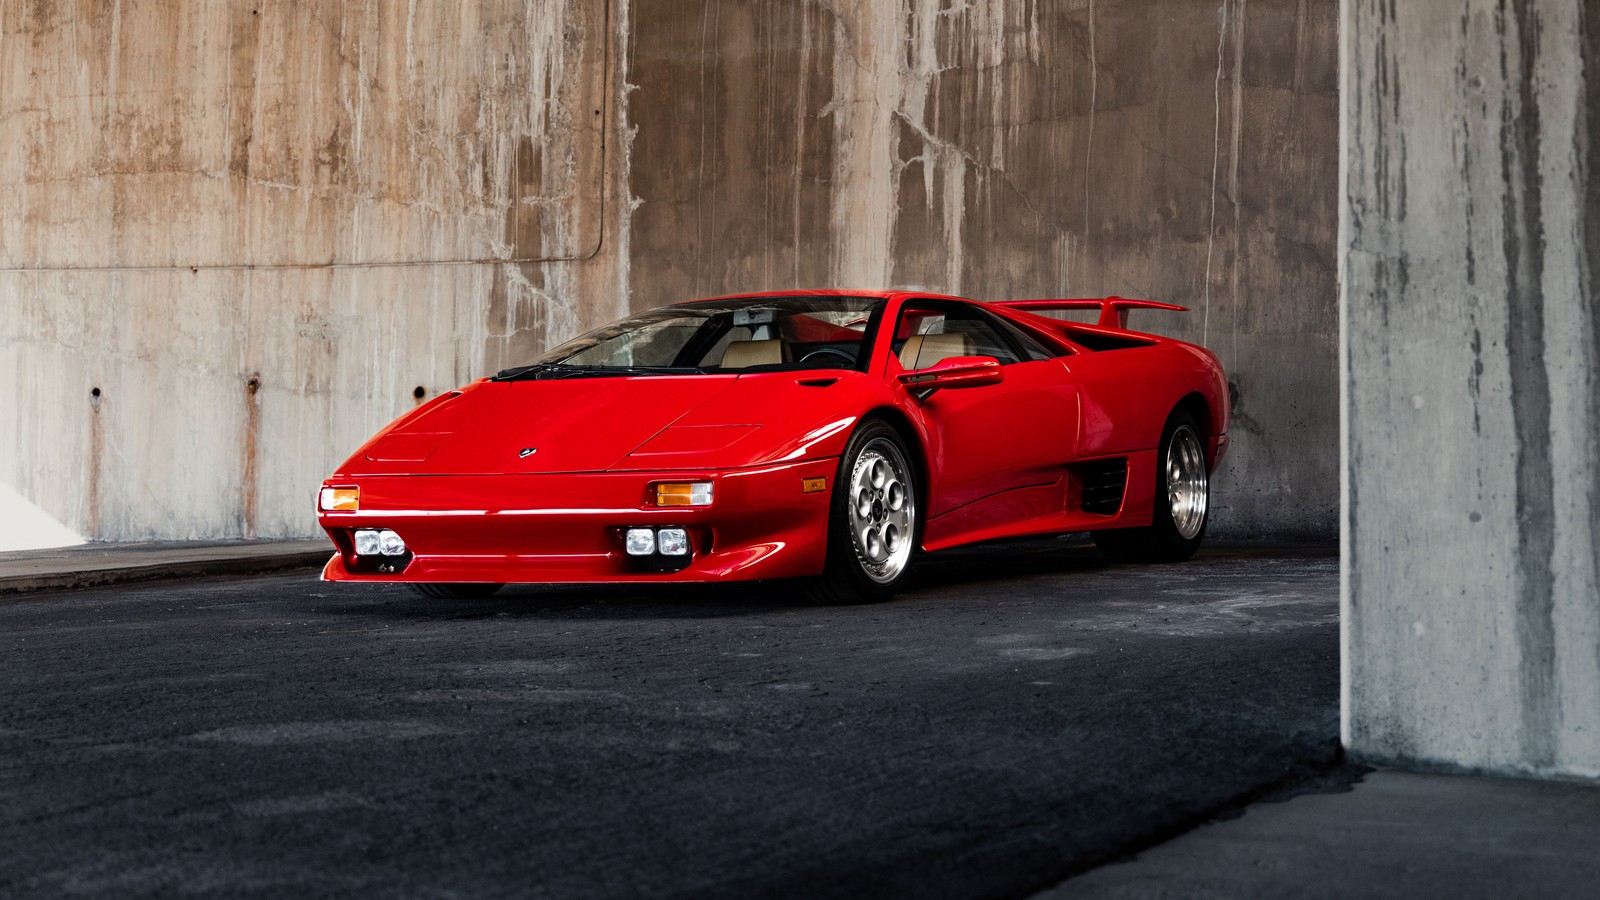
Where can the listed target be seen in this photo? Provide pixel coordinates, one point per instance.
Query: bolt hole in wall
(420, 394)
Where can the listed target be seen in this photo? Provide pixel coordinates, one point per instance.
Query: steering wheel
(848, 357)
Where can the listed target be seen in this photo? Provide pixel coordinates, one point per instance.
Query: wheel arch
(844, 578)
(1199, 409)
(915, 446)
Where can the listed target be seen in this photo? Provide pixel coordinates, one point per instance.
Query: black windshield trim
(873, 306)
(558, 371)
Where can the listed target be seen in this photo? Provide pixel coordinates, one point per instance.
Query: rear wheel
(1182, 501)
(872, 524)
(439, 591)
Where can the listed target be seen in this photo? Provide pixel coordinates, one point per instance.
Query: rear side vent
(1104, 482)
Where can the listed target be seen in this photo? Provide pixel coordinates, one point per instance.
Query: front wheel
(1183, 501)
(872, 522)
(442, 591)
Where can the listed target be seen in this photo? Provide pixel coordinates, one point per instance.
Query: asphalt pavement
(1021, 715)
(1399, 835)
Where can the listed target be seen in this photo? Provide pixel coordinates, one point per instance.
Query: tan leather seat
(923, 350)
(741, 354)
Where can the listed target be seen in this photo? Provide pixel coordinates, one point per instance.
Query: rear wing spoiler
(1113, 310)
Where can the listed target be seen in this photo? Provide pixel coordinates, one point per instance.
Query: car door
(997, 453)
(1125, 396)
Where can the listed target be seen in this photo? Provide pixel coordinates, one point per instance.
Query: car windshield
(752, 334)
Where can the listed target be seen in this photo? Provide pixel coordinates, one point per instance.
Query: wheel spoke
(1186, 482)
(881, 510)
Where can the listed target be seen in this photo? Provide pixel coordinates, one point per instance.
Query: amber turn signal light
(339, 499)
(696, 493)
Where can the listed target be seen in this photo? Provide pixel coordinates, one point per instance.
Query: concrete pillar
(1470, 236)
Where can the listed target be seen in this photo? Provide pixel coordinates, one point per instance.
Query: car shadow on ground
(618, 602)
(992, 562)
(987, 562)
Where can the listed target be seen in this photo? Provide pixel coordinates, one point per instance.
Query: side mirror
(956, 372)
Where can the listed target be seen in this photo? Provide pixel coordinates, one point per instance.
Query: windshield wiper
(553, 371)
(518, 373)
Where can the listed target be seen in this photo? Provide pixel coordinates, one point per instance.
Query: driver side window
(927, 334)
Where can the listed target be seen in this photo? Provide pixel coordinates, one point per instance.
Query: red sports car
(826, 435)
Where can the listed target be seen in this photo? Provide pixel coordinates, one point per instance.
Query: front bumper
(568, 528)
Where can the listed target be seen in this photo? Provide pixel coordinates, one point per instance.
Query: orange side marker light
(339, 499)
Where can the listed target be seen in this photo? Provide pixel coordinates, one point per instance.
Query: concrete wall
(1471, 248)
(1015, 148)
(258, 228)
(238, 237)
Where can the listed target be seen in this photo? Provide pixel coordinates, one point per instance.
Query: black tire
(852, 573)
(1172, 535)
(438, 591)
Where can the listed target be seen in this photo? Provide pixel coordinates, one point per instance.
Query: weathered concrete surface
(1179, 150)
(259, 229)
(238, 237)
(1471, 217)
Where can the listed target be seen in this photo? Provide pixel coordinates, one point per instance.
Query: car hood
(615, 424)
(533, 427)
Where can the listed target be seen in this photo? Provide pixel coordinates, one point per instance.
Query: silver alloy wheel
(882, 510)
(1186, 482)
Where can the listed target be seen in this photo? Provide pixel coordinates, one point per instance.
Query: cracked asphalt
(1025, 712)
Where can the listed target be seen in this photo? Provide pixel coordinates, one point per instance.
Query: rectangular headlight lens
(696, 493)
(368, 543)
(673, 541)
(641, 541)
(390, 543)
(339, 499)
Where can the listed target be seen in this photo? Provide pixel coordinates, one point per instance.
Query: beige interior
(923, 350)
(752, 353)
